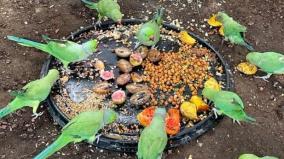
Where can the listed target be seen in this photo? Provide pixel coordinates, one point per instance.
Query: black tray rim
(184, 137)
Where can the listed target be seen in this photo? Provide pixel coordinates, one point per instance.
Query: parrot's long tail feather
(5, 111)
(249, 46)
(90, 4)
(16, 104)
(249, 119)
(159, 15)
(55, 146)
(29, 43)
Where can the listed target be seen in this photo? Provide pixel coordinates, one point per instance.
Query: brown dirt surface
(21, 138)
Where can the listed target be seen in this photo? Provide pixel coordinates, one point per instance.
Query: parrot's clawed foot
(137, 44)
(215, 113)
(236, 121)
(36, 115)
(119, 23)
(153, 47)
(265, 77)
(98, 138)
(98, 23)
(68, 71)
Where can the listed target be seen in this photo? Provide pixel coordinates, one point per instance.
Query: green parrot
(31, 94)
(269, 62)
(252, 156)
(228, 103)
(149, 33)
(233, 31)
(107, 8)
(83, 127)
(65, 51)
(153, 139)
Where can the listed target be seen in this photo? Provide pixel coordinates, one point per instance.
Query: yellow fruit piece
(213, 22)
(221, 30)
(186, 38)
(189, 110)
(200, 104)
(213, 84)
(247, 68)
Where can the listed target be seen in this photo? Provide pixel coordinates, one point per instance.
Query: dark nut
(118, 97)
(124, 66)
(123, 79)
(143, 51)
(136, 87)
(136, 59)
(136, 77)
(154, 55)
(122, 52)
(102, 88)
(140, 98)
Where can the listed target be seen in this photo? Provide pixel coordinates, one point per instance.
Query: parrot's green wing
(152, 143)
(149, 33)
(38, 90)
(18, 93)
(90, 4)
(106, 6)
(269, 157)
(61, 47)
(252, 156)
(229, 98)
(230, 104)
(85, 125)
(82, 127)
(270, 62)
(233, 31)
(248, 156)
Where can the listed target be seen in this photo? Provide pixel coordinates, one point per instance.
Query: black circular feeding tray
(186, 134)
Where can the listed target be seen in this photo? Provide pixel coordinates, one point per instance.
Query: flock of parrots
(153, 138)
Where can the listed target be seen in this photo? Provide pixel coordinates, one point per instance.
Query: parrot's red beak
(119, 22)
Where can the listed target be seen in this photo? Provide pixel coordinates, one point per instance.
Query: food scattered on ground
(118, 97)
(124, 66)
(136, 87)
(123, 52)
(173, 121)
(145, 117)
(213, 22)
(176, 71)
(143, 51)
(247, 68)
(71, 108)
(221, 31)
(136, 77)
(154, 55)
(186, 38)
(213, 84)
(189, 110)
(140, 98)
(199, 103)
(102, 88)
(99, 65)
(136, 59)
(106, 75)
(123, 79)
